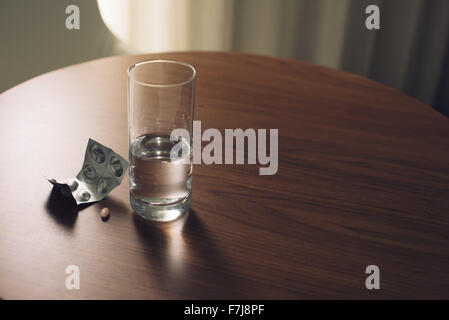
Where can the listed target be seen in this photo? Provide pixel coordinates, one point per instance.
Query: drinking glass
(160, 99)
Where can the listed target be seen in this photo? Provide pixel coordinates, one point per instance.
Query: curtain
(409, 52)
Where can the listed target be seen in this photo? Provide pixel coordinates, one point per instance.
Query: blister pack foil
(102, 171)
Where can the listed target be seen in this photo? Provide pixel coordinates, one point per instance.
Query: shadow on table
(185, 258)
(62, 209)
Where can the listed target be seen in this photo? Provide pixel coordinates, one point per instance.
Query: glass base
(160, 213)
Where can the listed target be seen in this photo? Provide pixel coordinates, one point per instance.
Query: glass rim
(138, 64)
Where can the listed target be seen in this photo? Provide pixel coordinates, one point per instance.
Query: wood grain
(363, 179)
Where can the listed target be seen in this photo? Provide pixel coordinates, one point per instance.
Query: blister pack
(102, 171)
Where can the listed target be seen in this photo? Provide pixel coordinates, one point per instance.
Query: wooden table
(363, 180)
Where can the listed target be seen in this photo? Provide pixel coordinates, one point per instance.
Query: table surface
(363, 180)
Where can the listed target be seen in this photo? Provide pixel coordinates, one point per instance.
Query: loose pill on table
(104, 214)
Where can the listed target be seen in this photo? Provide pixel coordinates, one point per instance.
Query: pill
(85, 196)
(104, 214)
(90, 174)
(73, 185)
(116, 166)
(97, 154)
